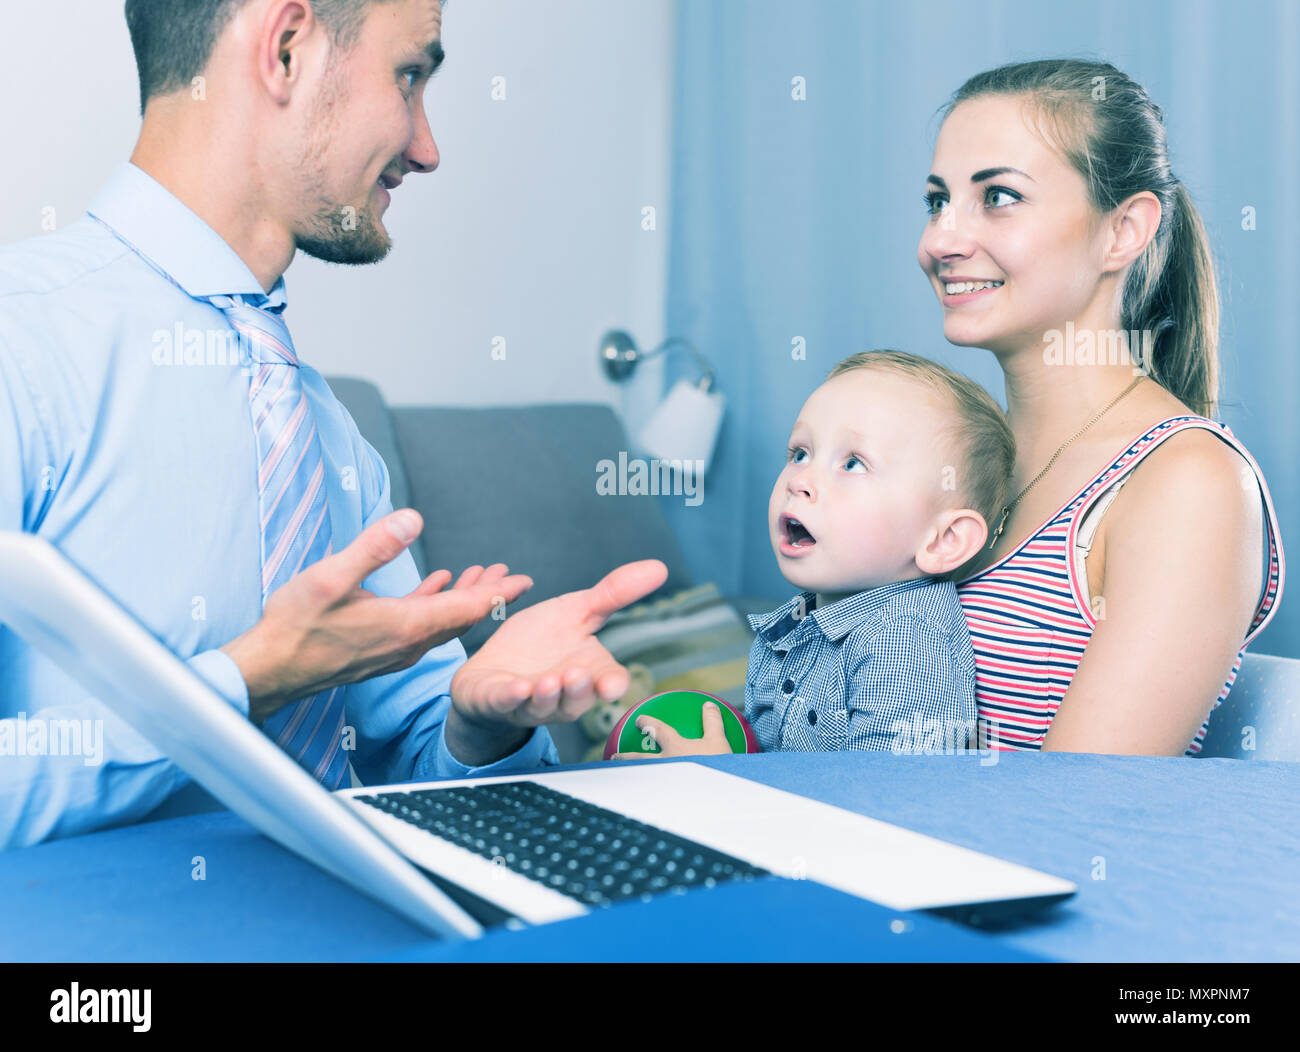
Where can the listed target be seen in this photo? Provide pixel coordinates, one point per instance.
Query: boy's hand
(714, 742)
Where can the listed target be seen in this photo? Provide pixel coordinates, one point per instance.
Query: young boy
(895, 467)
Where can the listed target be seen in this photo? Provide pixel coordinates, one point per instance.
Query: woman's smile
(956, 291)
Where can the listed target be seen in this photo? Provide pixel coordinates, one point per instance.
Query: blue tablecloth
(1176, 859)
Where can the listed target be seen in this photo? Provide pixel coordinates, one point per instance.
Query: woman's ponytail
(1173, 295)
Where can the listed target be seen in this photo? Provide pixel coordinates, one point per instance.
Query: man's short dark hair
(173, 39)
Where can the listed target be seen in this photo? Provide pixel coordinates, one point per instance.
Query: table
(1176, 859)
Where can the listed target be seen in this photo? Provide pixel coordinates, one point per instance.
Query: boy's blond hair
(981, 439)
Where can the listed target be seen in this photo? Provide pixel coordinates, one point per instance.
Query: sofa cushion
(518, 485)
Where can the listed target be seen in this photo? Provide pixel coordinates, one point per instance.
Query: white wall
(530, 230)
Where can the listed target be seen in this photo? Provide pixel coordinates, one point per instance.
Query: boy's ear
(953, 539)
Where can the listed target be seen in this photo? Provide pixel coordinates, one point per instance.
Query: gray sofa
(514, 485)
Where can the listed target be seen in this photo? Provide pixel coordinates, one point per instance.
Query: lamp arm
(706, 382)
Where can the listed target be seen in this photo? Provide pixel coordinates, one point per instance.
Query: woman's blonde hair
(980, 436)
(1109, 129)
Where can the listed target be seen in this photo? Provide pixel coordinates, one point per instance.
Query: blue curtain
(794, 223)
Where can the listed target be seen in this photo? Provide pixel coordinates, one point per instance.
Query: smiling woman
(1053, 207)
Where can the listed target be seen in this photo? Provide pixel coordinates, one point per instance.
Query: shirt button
(812, 716)
(787, 687)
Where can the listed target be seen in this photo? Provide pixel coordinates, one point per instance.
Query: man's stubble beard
(335, 233)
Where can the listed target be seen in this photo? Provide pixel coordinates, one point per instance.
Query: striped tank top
(1029, 615)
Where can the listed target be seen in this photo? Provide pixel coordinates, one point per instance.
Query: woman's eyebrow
(981, 175)
(989, 173)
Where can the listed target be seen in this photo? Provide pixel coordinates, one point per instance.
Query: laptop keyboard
(591, 854)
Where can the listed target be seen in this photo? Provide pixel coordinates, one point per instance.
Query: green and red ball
(683, 711)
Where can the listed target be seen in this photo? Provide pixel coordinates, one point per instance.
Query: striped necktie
(294, 517)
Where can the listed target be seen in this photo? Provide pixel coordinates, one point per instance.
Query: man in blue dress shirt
(269, 126)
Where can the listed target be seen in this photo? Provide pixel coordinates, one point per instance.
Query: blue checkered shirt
(889, 668)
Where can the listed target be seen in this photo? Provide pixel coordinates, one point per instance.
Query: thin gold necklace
(1006, 510)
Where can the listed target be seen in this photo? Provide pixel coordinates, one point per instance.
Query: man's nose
(422, 154)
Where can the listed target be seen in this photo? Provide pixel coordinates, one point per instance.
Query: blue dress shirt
(889, 668)
(133, 453)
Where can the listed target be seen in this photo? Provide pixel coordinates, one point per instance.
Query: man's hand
(714, 742)
(543, 665)
(322, 629)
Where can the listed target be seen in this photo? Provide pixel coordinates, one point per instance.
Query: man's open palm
(544, 664)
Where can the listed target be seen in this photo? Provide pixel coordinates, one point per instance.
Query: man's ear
(285, 28)
(953, 539)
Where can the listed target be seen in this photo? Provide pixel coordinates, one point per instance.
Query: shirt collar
(772, 625)
(836, 620)
(154, 222)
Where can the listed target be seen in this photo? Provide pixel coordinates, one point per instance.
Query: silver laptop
(457, 856)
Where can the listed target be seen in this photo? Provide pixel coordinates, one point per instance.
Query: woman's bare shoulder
(1192, 481)
(1199, 460)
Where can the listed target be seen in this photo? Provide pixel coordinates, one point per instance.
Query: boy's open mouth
(795, 533)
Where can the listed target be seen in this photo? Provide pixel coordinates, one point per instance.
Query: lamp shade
(685, 426)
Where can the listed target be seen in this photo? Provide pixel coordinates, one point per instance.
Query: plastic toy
(683, 710)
